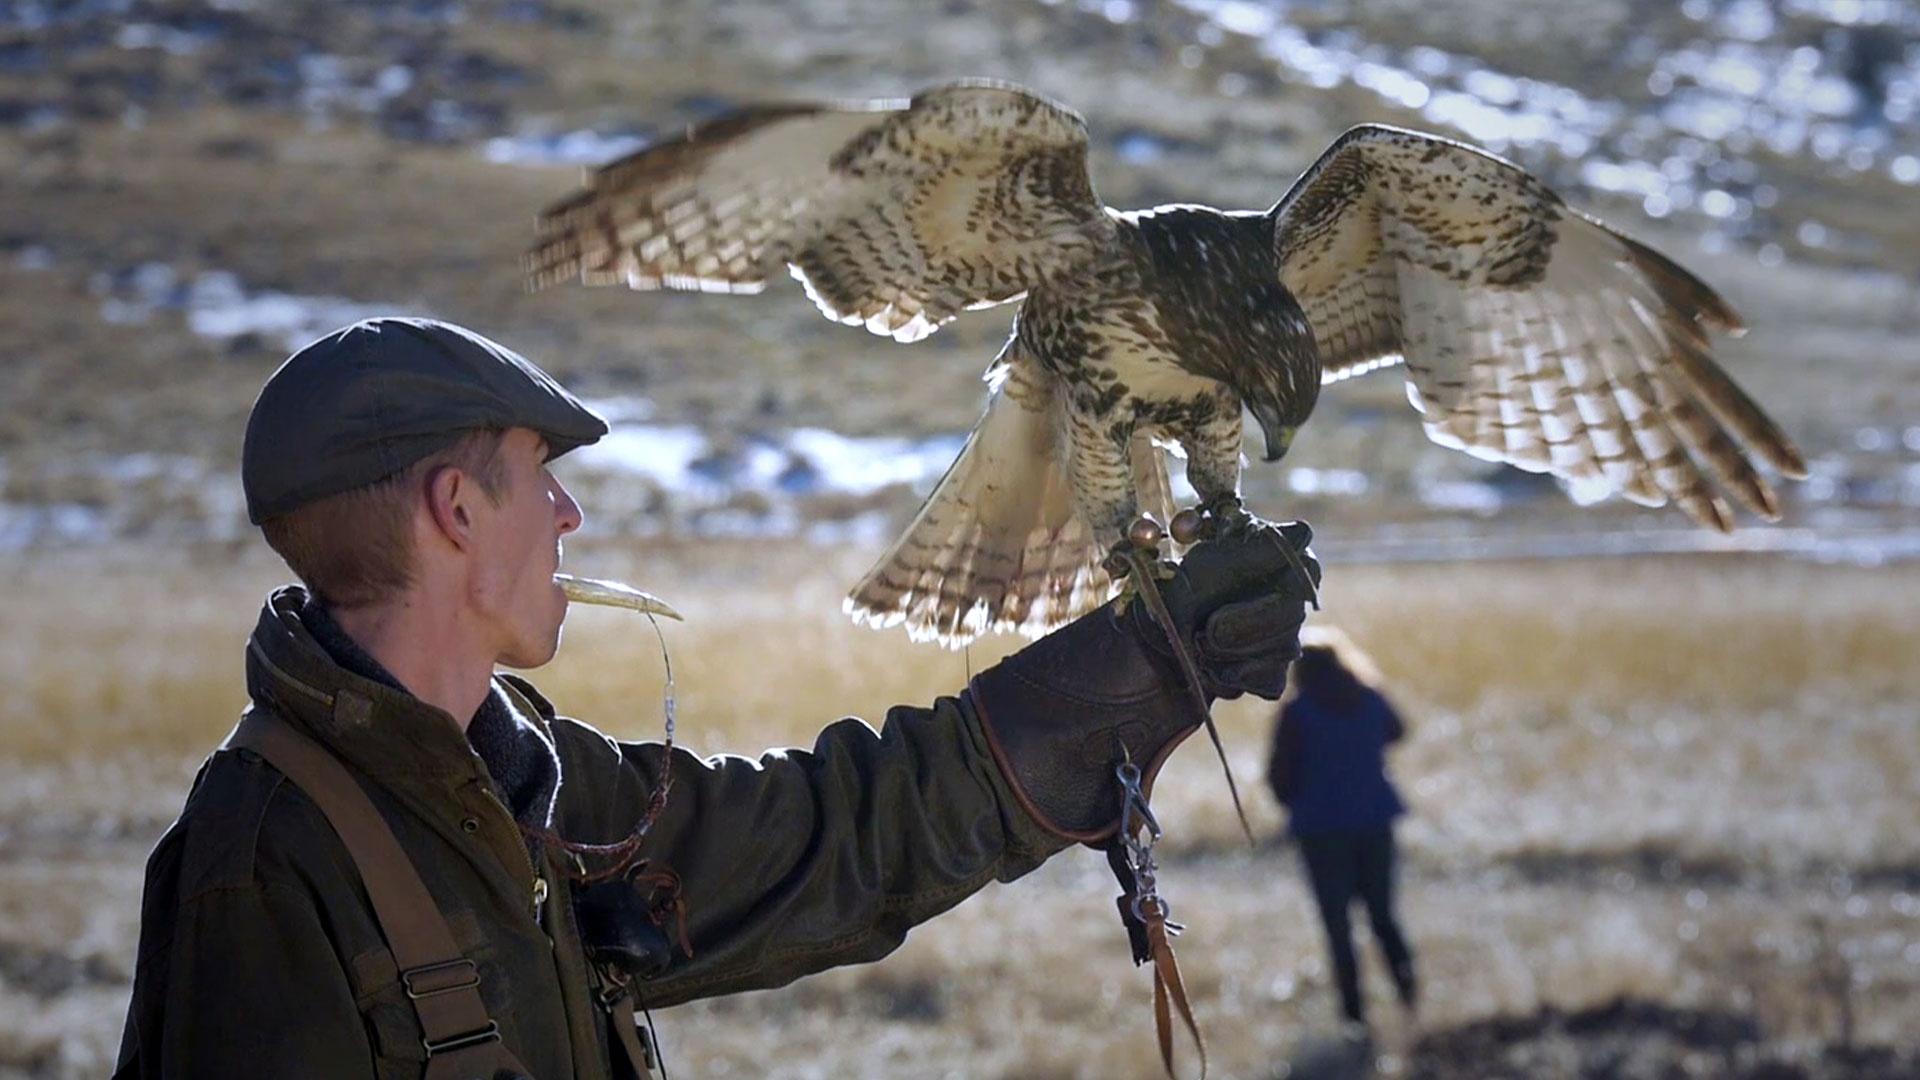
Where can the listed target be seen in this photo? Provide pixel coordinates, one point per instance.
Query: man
(400, 467)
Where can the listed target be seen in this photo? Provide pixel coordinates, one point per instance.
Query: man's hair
(356, 547)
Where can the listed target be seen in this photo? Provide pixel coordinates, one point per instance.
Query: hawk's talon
(1119, 561)
(1227, 516)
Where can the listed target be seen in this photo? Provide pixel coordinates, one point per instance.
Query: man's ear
(450, 495)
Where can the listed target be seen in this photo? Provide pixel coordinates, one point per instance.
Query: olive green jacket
(260, 957)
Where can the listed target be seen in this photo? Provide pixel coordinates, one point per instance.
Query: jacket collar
(377, 727)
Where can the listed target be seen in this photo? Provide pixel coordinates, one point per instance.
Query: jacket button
(471, 825)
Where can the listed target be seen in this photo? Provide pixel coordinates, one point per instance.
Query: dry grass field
(1685, 786)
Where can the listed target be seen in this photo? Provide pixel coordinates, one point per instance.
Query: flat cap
(370, 399)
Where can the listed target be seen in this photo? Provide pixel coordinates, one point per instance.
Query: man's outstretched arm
(807, 859)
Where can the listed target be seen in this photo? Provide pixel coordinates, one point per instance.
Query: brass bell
(1146, 533)
(1187, 526)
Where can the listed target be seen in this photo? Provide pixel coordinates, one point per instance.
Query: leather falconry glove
(1062, 713)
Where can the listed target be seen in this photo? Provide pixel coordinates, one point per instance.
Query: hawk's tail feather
(997, 546)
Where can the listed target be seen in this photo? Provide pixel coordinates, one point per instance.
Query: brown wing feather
(712, 209)
(1532, 334)
(894, 215)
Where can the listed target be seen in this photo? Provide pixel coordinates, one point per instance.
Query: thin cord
(624, 851)
(667, 696)
(653, 1040)
(1149, 591)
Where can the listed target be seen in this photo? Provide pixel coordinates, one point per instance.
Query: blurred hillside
(193, 187)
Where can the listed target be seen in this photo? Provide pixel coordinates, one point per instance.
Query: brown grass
(1630, 778)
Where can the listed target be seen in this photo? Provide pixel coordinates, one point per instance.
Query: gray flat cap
(370, 399)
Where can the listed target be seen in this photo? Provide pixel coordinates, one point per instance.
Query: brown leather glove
(1058, 712)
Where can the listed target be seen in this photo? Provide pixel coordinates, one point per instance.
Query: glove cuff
(1058, 752)
(1062, 714)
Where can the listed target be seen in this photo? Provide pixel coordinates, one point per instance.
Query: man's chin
(533, 654)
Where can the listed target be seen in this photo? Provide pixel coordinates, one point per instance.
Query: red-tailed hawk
(1530, 333)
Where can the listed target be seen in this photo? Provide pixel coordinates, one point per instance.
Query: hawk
(1530, 333)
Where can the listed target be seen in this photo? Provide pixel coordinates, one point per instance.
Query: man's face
(517, 552)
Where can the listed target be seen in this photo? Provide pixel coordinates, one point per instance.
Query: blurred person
(1329, 770)
(404, 862)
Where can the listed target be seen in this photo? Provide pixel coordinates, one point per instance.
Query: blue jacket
(1329, 764)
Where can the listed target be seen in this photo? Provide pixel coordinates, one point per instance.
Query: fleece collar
(302, 662)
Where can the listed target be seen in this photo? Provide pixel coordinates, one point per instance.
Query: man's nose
(566, 512)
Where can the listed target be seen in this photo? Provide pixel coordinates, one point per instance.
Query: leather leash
(1142, 567)
(1142, 910)
(1145, 914)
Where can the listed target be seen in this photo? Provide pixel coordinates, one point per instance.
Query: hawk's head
(1281, 382)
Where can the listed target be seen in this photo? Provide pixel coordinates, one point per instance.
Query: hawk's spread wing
(1531, 333)
(894, 214)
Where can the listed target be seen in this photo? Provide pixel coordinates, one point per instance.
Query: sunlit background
(1664, 781)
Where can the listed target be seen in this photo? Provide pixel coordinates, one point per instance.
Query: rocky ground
(1635, 1040)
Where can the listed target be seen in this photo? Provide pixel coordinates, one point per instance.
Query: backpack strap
(634, 1056)
(461, 1039)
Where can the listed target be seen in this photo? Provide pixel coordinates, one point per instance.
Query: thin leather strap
(460, 1038)
(626, 1036)
(1152, 942)
(1167, 984)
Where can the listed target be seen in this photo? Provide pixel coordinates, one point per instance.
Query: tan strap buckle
(424, 982)
(490, 1033)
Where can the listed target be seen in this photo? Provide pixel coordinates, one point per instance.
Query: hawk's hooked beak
(1279, 434)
